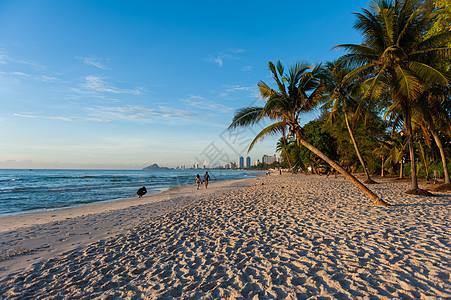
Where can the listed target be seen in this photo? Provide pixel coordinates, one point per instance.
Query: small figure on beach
(206, 179)
(141, 192)
(198, 181)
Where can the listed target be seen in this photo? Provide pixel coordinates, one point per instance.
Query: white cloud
(139, 112)
(222, 56)
(6, 59)
(3, 59)
(93, 62)
(45, 78)
(67, 119)
(42, 78)
(251, 91)
(98, 84)
(205, 104)
(247, 68)
(219, 61)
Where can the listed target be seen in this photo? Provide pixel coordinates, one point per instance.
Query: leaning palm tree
(297, 92)
(395, 55)
(339, 95)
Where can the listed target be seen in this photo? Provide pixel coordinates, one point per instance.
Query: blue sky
(124, 84)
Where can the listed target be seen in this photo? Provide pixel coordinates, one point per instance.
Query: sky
(125, 84)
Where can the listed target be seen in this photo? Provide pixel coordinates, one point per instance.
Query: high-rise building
(248, 162)
(241, 163)
(266, 159)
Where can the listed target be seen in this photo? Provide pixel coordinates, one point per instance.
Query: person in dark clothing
(206, 179)
(198, 181)
(141, 192)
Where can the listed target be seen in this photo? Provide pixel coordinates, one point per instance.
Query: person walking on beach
(206, 179)
(198, 181)
(141, 192)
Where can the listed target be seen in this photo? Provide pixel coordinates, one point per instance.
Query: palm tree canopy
(394, 51)
(297, 91)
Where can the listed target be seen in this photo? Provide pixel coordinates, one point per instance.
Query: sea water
(32, 191)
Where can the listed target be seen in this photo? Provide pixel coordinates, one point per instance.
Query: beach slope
(293, 237)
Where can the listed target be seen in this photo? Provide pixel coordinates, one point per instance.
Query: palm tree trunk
(401, 171)
(340, 169)
(382, 166)
(362, 162)
(442, 154)
(413, 169)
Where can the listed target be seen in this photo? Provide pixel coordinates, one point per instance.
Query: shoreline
(32, 238)
(97, 207)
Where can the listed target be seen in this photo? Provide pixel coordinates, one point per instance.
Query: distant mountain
(155, 167)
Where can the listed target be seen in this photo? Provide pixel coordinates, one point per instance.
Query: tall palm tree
(433, 113)
(297, 92)
(396, 55)
(340, 98)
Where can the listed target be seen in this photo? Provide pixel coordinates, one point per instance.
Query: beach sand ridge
(279, 237)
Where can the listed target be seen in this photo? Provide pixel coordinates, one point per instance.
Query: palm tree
(432, 112)
(297, 92)
(284, 146)
(340, 99)
(396, 55)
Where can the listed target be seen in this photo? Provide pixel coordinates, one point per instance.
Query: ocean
(33, 191)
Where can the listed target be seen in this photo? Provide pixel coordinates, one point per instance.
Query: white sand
(294, 237)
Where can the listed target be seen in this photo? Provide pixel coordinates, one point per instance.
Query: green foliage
(316, 133)
(442, 22)
(368, 132)
(401, 70)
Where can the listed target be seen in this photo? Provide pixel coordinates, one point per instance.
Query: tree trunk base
(419, 192)
(370, 181)
(380, 202)
(446, 187)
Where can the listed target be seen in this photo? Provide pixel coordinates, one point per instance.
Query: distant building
(233, 165)
(248, 162)
(266, 159)
(241, 163)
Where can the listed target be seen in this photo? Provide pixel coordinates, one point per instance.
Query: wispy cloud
(251, 91)
(3, 59)
(42, 78)
(222, 56)
(8, 59)
(205, 104)
(93, 62)
(121, 113)
(219, 60)
(67, 119)
(99, 84)
(139, 113)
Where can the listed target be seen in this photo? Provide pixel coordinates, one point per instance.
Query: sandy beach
(276, 237)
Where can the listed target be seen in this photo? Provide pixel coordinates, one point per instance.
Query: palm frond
(269, 130)
(409, 85)
(246, 117)
(428, 73)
